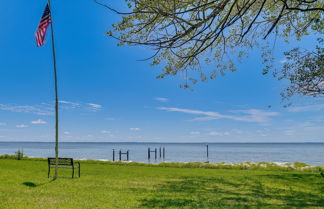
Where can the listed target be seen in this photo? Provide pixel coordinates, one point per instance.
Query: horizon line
(142, 142)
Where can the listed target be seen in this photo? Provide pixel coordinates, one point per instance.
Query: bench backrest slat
(61, 161)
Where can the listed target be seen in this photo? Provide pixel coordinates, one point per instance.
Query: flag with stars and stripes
(43, 25)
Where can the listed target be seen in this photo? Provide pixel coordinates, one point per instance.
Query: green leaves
(200, 35)
(305, 71)
(214, 74)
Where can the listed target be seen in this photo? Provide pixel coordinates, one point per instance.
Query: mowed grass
(24, 184)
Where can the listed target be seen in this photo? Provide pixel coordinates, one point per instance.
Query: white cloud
(215, 133)
(94, 107)
(66, 132)
(237, 132)
(254, 115)
(319, 128)
(107, 133)
(194, 133)
(135, 137)
(109, 118)
(307, 108)
(250, 115)
(2, 124)
(289, 132)
(69, 105)
(135, 129)
(161, 99)
(46, 109)
(38, 122)
(42, 109)
(21, 126)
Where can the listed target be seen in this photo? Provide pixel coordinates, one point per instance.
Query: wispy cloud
(21, 126)
(161, 99)
(213, 133)
(254, 115)
(94, 107)
(46, 109)
(307, 108)
(135, 129)
(66, 132)
(107, 133)
(250, 115)
(2, 124)
(42, 109)
(110, 118)
(289, 132)
(69, 105)
(135, 137)
(216, 133)
(194, 133)
(38, 122)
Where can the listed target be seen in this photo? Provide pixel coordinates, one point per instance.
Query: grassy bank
(24, 184)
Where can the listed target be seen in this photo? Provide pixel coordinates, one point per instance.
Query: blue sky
(106, 95)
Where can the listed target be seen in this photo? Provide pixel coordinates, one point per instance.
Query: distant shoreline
(168, 142)
(283, 166)
(310, 153)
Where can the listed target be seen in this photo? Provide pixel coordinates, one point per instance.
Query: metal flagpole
(56, 94)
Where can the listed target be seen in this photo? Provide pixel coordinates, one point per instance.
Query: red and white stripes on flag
(43, 25)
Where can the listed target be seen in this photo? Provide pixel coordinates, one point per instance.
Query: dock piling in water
(121, 154)
(163, 153)
(207, 151)
(160, 152)
(155, 150)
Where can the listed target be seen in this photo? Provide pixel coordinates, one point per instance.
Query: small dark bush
(19, 154)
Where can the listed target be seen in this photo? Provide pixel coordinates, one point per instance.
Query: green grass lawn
(24, 184)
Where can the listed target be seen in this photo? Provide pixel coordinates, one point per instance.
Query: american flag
(42, 27)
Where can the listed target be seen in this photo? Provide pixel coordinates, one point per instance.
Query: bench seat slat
(60, 167)
(53, 166)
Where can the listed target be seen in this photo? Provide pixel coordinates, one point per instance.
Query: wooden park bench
(63, 163)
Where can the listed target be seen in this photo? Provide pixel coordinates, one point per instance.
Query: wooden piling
(207, 151)
(123, 153)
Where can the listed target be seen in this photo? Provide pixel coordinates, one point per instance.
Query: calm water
(311, 153)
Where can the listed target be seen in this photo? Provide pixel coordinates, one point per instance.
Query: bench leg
(49, 170)
(79, 171)
(73, 172)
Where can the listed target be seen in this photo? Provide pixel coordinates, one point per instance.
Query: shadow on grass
(33, 185)
(30, 184)
(284, 190)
